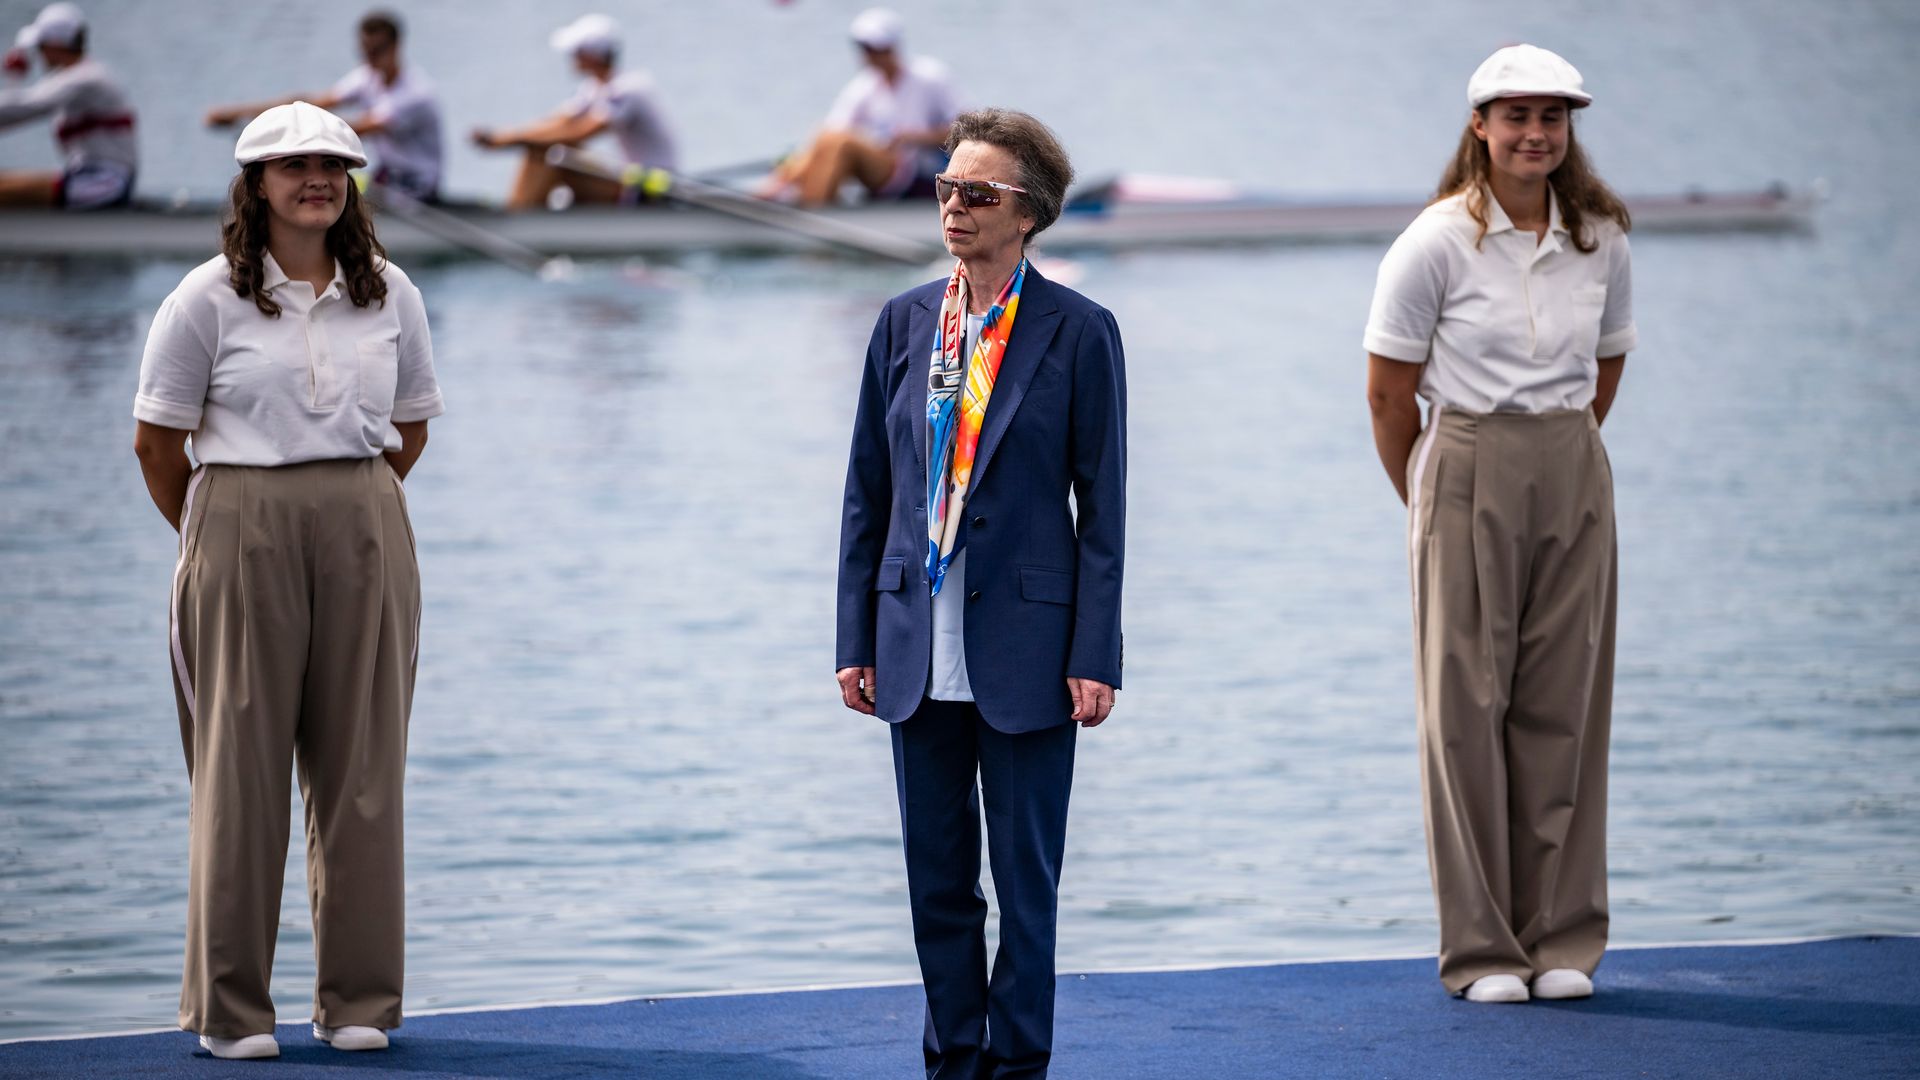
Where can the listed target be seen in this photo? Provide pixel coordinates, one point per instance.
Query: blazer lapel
(1033, 328)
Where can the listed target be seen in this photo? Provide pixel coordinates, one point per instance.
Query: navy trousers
(945, 759)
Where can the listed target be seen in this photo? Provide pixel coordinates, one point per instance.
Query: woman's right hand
(856, 688)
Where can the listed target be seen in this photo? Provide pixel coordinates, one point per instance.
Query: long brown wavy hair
(243, 236)
(1582, 195)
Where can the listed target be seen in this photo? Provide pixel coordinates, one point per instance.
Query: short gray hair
(1040, 162)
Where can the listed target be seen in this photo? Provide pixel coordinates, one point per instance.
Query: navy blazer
(1043, 578)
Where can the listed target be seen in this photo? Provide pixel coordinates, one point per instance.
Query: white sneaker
(1560, 984)
(1497, 988)
(351, 1037)
(249, 1046)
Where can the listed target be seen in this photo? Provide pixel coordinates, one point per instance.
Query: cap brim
(1578, 101)
(356, 160)
(60, 36)
(570, 44)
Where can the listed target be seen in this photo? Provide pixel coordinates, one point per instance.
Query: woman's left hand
(856, 688)
(1092, 700)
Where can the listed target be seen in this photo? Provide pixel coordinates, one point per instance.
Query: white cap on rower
(298, 128)
(596, 34)
(1526, 71)
(877, 28)
(59, 25)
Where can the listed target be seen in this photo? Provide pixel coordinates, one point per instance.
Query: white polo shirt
(324, 381)
(1513, 326)
(408, 150)
(628, 103)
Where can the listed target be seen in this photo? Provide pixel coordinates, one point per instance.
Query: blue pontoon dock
(1833, 1008)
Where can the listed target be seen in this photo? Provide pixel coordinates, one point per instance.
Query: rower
(92, 119)
(886, 129)
(399, 110)
(620, 103)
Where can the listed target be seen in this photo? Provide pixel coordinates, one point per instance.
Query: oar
(759, 165)
(663, 184)
(463, 233)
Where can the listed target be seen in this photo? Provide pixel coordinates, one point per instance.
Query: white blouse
(325, 380)
(1510, 326)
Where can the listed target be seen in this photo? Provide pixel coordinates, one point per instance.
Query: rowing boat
(1102, 219)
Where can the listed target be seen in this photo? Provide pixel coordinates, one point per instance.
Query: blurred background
(629, 770)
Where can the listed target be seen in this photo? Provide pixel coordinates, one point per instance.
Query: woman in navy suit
(979, 610)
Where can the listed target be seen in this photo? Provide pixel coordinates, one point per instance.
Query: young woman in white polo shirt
(298, 365)
(1507, 305)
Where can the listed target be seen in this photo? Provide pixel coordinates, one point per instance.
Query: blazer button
(974, 595)
(980, 522)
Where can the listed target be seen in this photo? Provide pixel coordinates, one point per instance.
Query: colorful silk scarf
(954, 413)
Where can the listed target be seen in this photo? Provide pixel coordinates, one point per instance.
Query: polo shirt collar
(274, 277)
(1499, 222)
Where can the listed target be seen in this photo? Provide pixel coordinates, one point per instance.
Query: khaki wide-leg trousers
(1511, 539)
(296, 609)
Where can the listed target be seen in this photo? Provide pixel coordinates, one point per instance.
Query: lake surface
(629, 769)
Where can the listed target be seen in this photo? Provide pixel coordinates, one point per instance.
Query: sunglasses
(973, 193)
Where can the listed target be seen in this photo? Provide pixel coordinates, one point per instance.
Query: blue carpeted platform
(1847, 1008)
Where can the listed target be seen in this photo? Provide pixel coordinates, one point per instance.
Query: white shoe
(351, 1037)
(1560, 984)
(249, 1046)
(1497, 988)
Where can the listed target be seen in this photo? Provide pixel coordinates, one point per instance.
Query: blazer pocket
(1045, 585)
(889, 575)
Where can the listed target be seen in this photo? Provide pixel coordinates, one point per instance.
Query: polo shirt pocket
(379, 374)
(889, 576)
(1589, 304)
(1046, 585)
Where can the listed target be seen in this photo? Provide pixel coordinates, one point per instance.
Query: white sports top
(1510, 326)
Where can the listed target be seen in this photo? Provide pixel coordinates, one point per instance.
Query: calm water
(630, 772)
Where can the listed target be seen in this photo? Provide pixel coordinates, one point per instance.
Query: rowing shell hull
(193, 232)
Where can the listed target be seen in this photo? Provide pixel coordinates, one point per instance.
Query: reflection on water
(629, 772)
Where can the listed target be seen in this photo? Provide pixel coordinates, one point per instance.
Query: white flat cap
(298, 128)
(877, 28)
(1526, 71)
(57, 24)
(596, 34)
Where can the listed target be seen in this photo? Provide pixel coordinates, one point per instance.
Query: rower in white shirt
(886, 129)
(623, 104)
(92, 119)
(399, 111)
